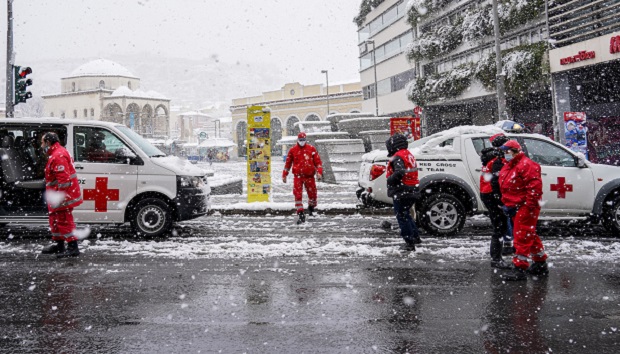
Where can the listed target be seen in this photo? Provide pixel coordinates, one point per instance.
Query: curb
(269, 211)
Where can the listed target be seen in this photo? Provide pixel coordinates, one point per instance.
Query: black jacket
(395, 186)
(489, 154)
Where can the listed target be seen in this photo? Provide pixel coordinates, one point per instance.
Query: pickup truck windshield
(142, 143)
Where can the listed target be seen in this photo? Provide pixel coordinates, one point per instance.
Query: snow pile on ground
(281, 206)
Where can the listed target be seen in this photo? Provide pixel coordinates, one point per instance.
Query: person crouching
(402, 184)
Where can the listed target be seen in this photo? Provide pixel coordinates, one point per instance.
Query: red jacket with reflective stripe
(305, 161)
(521, 182)
(410, 177)
(61, 180)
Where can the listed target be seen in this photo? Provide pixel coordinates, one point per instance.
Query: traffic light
(22, 83)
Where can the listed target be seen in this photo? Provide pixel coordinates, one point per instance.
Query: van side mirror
(581, 160)
(124, 155)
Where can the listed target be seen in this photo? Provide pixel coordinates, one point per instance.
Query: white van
(122, 176)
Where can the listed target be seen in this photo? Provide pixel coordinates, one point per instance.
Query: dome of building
(102, 67)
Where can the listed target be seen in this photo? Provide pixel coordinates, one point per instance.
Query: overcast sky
(300, 37)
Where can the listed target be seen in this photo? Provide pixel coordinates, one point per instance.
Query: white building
(105, 90)
(386, 25)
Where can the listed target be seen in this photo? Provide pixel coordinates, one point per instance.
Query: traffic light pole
(10, 105)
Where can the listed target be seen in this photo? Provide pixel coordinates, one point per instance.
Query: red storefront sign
(614, 45)
(408, 126)
(583, 55)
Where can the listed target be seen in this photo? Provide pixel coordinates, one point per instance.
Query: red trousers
(526, 240)
(62, 225)
(298, 185)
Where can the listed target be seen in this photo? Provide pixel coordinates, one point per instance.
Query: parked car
(449, 169)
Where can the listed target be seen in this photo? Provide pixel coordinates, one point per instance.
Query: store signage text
(614, 45)
(583, 55)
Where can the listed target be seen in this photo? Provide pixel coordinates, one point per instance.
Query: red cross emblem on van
(561, 187)
(101, 194)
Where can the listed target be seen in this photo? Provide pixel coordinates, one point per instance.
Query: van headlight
(190, 182)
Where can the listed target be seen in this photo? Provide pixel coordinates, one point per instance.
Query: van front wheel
(151, 218)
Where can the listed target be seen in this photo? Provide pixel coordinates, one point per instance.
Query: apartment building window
(387, 50)
(384, 86)
(401, 80)
(369, 91)
(382, 21)
(389, 85)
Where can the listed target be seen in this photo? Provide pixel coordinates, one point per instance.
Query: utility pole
(500, 86)
(327, 79)
(9, 60)
(557, 127)
(374, 64)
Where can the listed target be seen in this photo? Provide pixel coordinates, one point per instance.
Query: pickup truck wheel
(443, 215)
(151, 218)
(611, 216)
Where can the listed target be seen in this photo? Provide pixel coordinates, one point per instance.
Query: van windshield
(142, 143)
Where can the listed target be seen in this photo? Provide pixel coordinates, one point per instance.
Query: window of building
(129, 84)
(92, 112)
(401, 80)
(51, 114)
(366, 61)
(75, 113)
(390, 16)
(101, 84)
(62, 114)
(85, 113)
(73, 86)
(384, 87)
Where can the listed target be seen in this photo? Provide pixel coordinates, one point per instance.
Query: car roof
(52, 120)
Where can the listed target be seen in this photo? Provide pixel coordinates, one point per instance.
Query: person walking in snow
(521, 187)
(492, 162)
(306, 163)
(62, 194)
(402, 184)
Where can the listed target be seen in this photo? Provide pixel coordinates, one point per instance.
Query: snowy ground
(323, 239)
(330, 196)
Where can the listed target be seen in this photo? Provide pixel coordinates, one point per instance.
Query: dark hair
(500, 140)
(51, 137)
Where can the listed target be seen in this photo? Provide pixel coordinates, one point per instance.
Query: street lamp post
(327, 80)
(500, 87)
(374, 65)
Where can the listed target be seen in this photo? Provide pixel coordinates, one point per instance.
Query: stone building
(293, 103)
(105, 90)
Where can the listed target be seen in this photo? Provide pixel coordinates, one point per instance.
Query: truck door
(107, 180)
(567, 188)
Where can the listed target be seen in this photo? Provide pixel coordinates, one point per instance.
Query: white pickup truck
(449, 169)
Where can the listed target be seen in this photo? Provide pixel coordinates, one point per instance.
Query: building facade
(454, 51)
(105, 90)
(293, 103)
(585, 64)
(385, 28)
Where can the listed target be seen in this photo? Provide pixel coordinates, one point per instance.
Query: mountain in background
(189, 83)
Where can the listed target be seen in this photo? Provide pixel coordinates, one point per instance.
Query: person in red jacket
(62, 193)
(521, 185)
(492, 162)
(306, 163)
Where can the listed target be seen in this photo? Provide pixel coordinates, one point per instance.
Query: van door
(567, 189)
(107, 179)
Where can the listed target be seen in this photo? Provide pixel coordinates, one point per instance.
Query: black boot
(515, 274)
(408, 247)
(58, 247)
(72, 250)
(508, 249)
(302, 217)
(310, 210)
(496, 255)
(538, 269)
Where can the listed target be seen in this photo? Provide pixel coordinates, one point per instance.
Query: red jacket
(521, 183)
(304, 160)
(60, 176)
(485, 187)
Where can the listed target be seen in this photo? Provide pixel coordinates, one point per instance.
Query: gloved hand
(284, 179)
(509, 211)
(319, 177)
